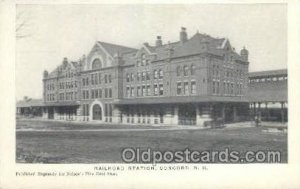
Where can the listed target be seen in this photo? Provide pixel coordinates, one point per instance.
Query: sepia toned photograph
(151, 84)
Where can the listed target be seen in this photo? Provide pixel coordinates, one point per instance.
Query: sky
(58, 31)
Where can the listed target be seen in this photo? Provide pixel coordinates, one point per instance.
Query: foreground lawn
(75, 146)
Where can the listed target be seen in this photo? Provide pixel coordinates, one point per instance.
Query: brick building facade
(187, 82)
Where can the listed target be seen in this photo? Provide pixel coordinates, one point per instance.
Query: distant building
(181, 83)
(268, 94)
(30, 107)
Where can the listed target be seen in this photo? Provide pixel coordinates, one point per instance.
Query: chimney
(65, 62)
(158, 41)
(183, 35)
(45, 74)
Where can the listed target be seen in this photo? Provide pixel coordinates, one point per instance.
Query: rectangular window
(161, 89)
(110, 93)
(96, 78)
(193, 87)
(148, 76)
(155, 89)
(92, 79)
(83, 110)
(241, 87)
(143, 76)
(132, 77)
(143, 90)
(148, 90)
(93, 94)
(214, 87)
(128, 91)
(109, 78)
(155, 74)
(132, 91)
(100, 93)
(99, 77)
(178, 70)
(106, 93)
(139, 91)
(185, 70)
(218, 88)
(161, 74)
(186, 88)
(105, 78)
(227, 88)
(179, 88)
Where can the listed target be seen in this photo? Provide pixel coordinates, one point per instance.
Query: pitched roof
(113, 48)
(30, 103)
(180, 99)
(58, 70)
(271, 91)
(268, 73)
(198, 43)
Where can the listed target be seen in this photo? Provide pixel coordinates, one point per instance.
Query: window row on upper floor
(97, 93)
(67, 85)
(50, 86)
(142, 61)
(229, 73)
(186, 88)
(50, 97)
(96, 78)
(186, 70)
(229, 88)
(68, 96)
(70, 74)
(145, 75)
(145, 90)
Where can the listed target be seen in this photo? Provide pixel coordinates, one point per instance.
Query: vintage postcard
(115, 95)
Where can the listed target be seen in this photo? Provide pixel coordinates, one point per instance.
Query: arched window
(193, 69)
(96, 64)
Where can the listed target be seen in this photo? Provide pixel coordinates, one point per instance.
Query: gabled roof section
(112, 49)
(58, 70)
(198, 43)
(54, 73)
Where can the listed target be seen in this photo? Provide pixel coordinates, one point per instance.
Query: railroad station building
(268, 95)
(186, 82)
